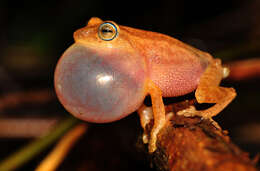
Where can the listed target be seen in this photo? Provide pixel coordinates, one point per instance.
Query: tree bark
(195, 144)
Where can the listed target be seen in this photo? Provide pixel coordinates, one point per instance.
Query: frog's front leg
(209, 91)
(146, 115)
(157, 113)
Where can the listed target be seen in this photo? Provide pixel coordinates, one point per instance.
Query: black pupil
(107, 30)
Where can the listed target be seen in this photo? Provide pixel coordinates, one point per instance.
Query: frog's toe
(191, 111)
(146, 115)
(145, 138)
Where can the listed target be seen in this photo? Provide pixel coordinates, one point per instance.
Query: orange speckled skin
(172, 65)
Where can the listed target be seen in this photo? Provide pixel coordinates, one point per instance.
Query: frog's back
(173, 66)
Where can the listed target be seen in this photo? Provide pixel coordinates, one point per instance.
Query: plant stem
(25, 154)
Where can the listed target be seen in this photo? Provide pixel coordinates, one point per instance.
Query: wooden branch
(195, 144)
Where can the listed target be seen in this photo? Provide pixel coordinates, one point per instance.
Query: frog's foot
(191, 111)
(156, 129)
(146, 115)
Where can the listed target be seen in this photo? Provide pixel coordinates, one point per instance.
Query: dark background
(34, 34)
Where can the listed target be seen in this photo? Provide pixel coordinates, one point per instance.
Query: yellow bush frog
(109, 70)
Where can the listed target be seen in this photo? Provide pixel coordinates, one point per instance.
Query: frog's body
(110, 69)
(172, 65)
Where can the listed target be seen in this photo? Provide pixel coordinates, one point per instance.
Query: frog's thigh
(158, 113)
(209, 91)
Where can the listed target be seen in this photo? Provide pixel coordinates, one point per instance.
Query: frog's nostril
(92, 88)
(80, 34)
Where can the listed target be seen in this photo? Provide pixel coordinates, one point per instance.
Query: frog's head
(103, 34)
(100, 78)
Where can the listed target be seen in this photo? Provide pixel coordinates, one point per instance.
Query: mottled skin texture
(135, 63)
(172, 65)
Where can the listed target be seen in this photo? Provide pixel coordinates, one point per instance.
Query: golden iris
(107, 31)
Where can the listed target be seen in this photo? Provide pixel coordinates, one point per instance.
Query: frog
(110, 69)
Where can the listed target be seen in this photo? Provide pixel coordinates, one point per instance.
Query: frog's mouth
(94, 86)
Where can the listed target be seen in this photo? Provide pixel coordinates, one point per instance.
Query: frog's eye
(107, 31)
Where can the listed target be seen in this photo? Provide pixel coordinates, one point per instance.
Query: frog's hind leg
(209, 91)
